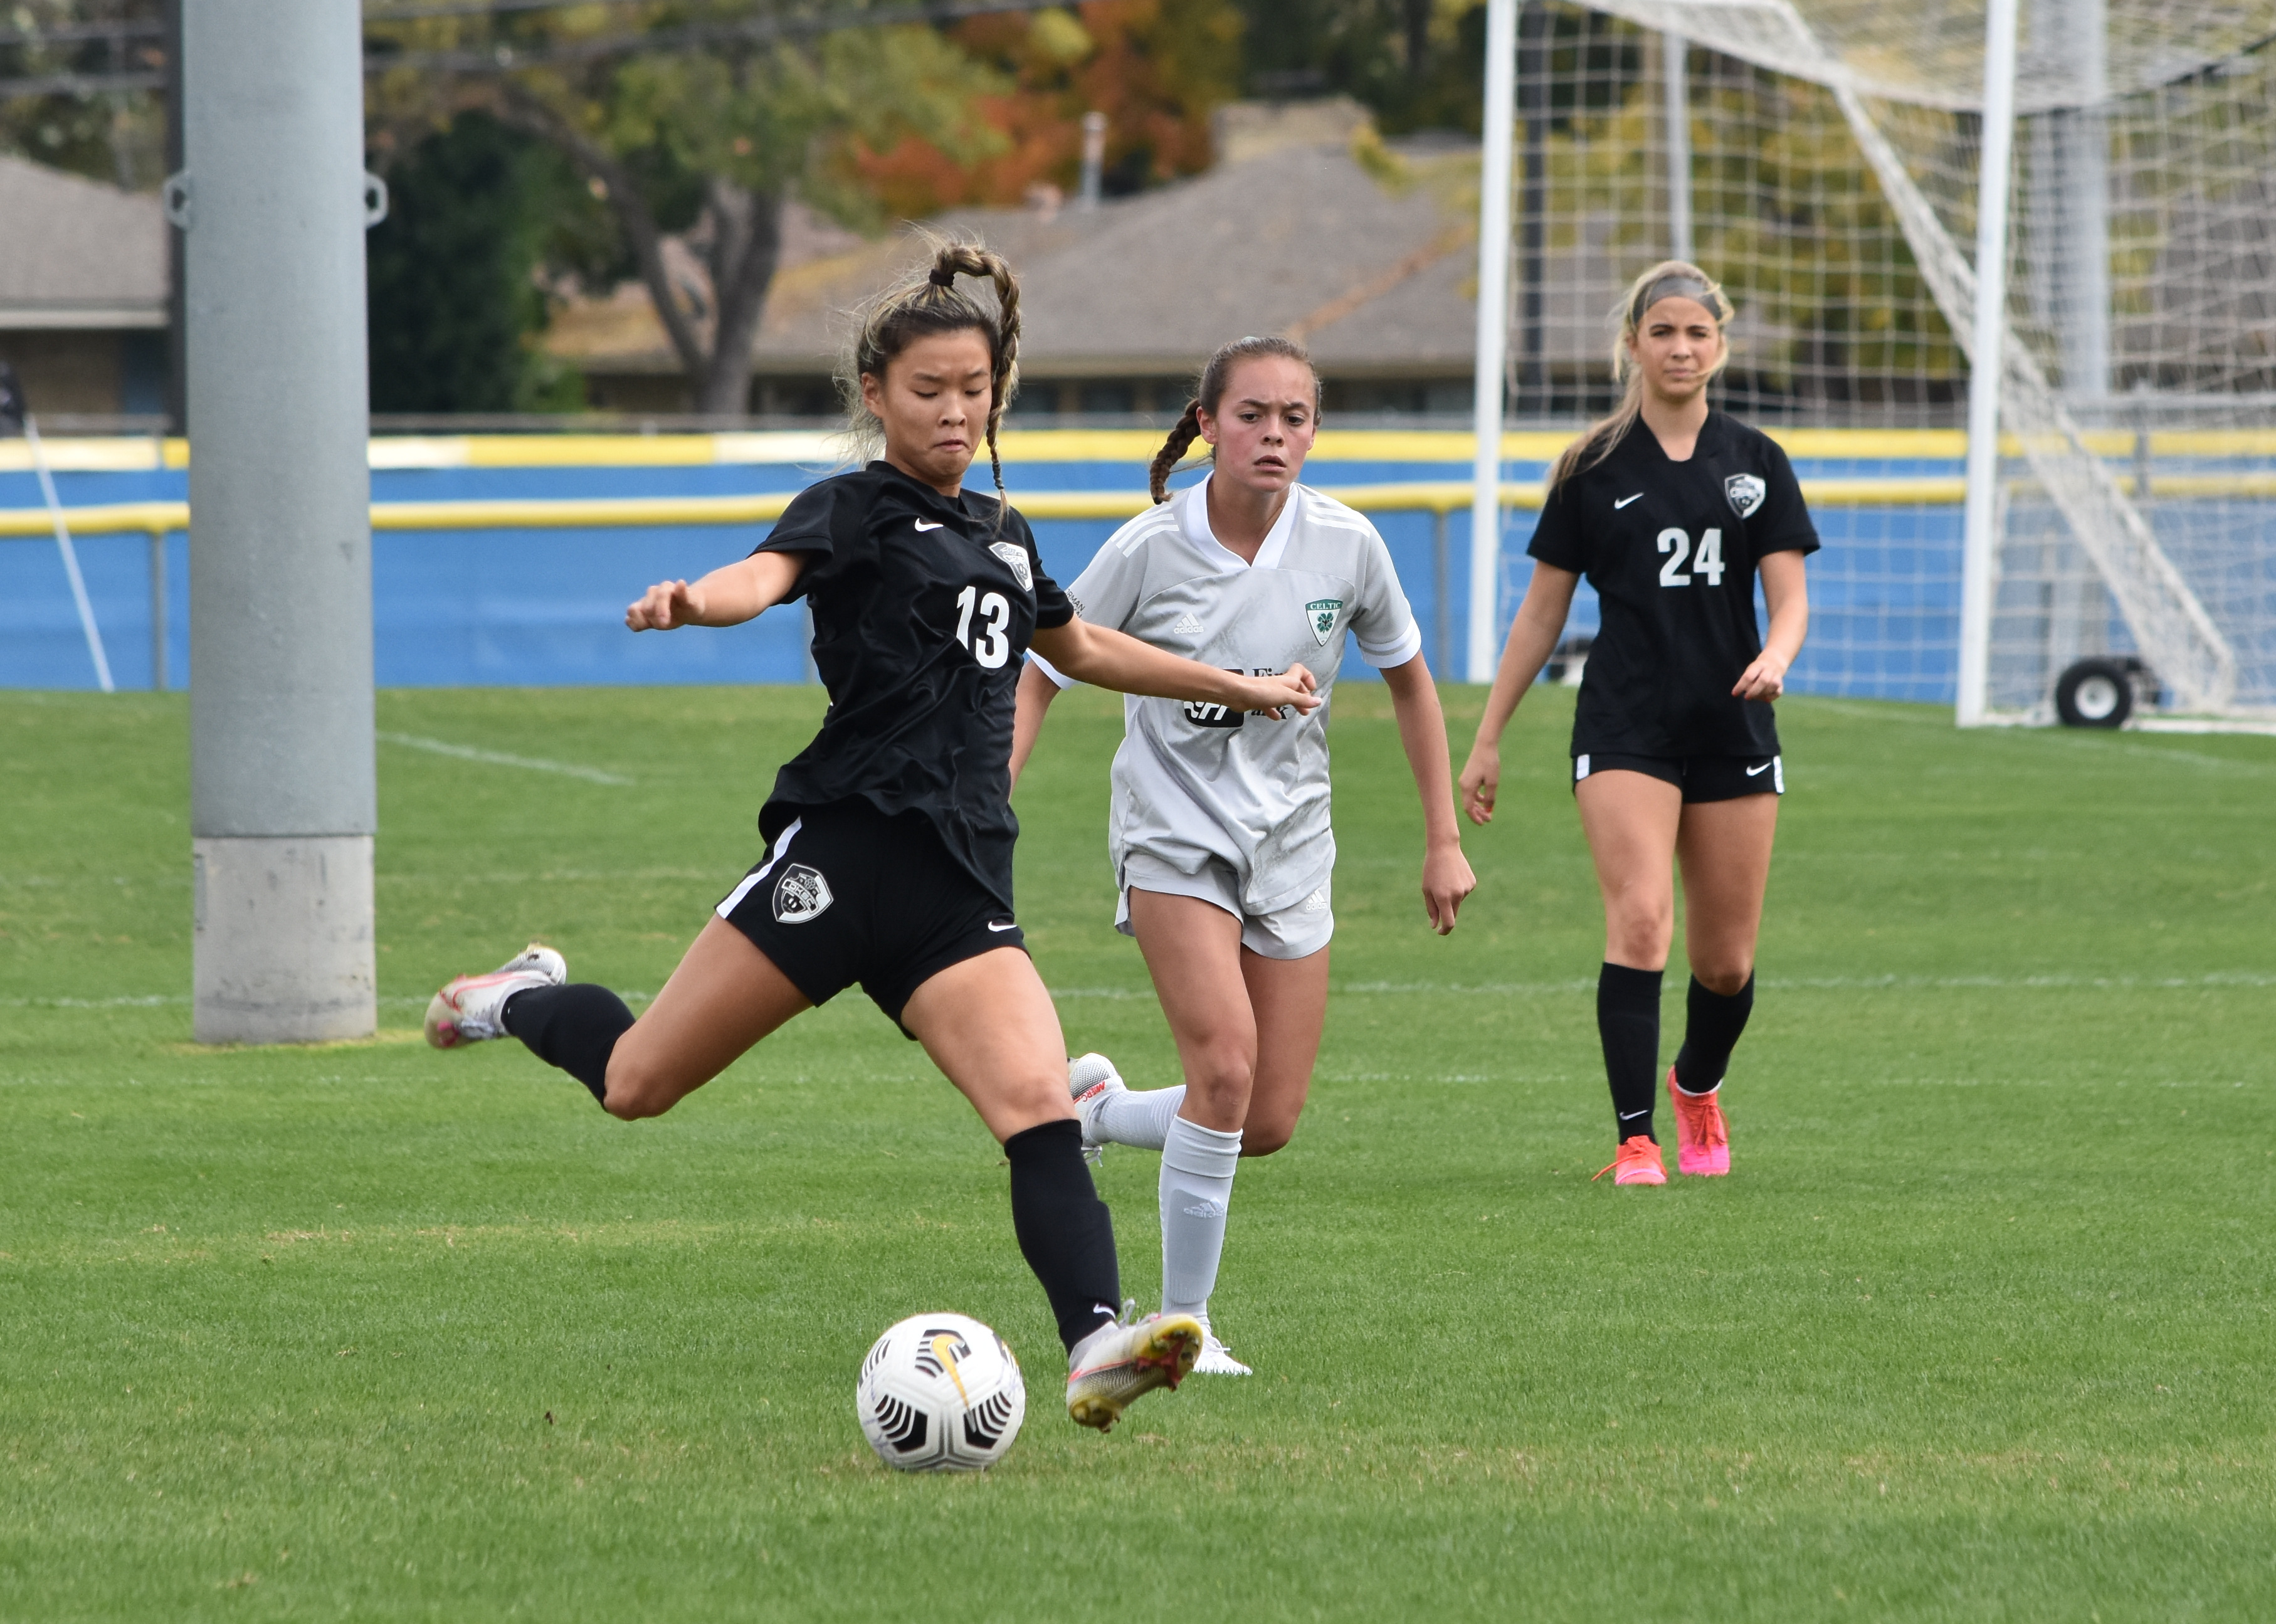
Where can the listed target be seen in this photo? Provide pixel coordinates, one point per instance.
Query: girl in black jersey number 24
(1669, 508)
(890, 836)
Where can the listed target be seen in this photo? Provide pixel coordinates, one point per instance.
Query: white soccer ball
(940, 1392)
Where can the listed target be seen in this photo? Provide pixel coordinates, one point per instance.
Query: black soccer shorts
(1700, 777)
(847, 894)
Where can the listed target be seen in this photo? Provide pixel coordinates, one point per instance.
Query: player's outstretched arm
(1037, 692)
(1110, 659)
(728, 595)
(1785, 592)
(1446, 876)
(1532, 639)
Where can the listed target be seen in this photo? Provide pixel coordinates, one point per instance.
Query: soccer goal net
(1820, 156)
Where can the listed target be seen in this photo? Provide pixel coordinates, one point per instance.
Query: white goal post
(2129, 508)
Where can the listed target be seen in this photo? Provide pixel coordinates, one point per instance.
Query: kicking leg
(724, 996)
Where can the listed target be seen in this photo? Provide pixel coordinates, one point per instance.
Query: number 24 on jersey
(1706, 563)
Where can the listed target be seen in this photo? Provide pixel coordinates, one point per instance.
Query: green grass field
(1980, 1328)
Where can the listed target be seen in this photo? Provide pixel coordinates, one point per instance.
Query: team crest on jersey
(1322, 613)
(801, 894)
(1745, 493)
(1015, 557)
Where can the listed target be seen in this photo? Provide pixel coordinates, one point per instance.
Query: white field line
(494, 758)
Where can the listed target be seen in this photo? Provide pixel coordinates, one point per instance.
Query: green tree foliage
(1416, 64)
(52, 51)
(455, 305)
(702, 115)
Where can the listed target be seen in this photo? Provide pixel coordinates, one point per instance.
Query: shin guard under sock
(1711, 1031)
(1064, 1231)
(1196, 1187)
(574, 1028)
(1627, 1021)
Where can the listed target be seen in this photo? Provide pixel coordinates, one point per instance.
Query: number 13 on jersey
(1706, 563)
(991, 648)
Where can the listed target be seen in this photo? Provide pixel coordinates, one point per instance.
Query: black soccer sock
(1711, 1031)
(1065, 1233)
(1628, 1020)
(574, 1028)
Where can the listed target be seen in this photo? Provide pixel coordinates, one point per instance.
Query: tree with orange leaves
(1157, 69)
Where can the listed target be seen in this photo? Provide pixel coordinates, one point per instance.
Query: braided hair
(1210, 392)
(919, 306)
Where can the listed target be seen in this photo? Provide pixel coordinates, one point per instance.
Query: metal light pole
(1988, 364)
(272, 200)
(1493, 335)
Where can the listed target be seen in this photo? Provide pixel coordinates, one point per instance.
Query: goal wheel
(2095, 693)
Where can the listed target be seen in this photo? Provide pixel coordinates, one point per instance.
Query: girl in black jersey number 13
(889, 860)
(1669, 508)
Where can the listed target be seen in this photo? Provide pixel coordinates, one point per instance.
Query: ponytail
(1210, 391)
(1165, 460)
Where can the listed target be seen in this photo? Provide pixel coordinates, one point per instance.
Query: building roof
(1370, 263)
(77, 254)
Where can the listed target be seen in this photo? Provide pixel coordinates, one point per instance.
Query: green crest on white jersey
(1322, 612)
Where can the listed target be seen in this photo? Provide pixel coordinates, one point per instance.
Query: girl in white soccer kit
(1218, 829)
(1671, 509)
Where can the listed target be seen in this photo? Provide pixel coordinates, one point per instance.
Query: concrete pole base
(283, 948)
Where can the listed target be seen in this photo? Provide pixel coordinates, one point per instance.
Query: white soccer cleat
(1092, 1080)
(466, 1011)
(1217, 1359)
(1125, 1359)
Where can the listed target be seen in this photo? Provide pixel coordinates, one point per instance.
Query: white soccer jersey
(1192, 781)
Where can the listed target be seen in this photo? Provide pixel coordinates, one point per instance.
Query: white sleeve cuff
(1064, 682)
(1397, 652)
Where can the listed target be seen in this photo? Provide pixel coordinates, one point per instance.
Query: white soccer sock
(1140, 1119)
(1197, 1167)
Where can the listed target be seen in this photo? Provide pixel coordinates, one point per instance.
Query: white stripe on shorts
(1580, 768)
(782, 843)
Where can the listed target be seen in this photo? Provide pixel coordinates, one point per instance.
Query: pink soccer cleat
(1703, 1139)
(1638, 1163)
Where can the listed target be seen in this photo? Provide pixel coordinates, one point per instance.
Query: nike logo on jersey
(935, 525)
(1624, 501)
(1757, 772)
(1006, 924)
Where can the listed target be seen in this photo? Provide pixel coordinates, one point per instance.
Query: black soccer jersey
(922, 609)
(1671, 549)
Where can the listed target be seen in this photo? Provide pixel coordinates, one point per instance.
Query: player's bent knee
(634, 1091)
(1263, 1138)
